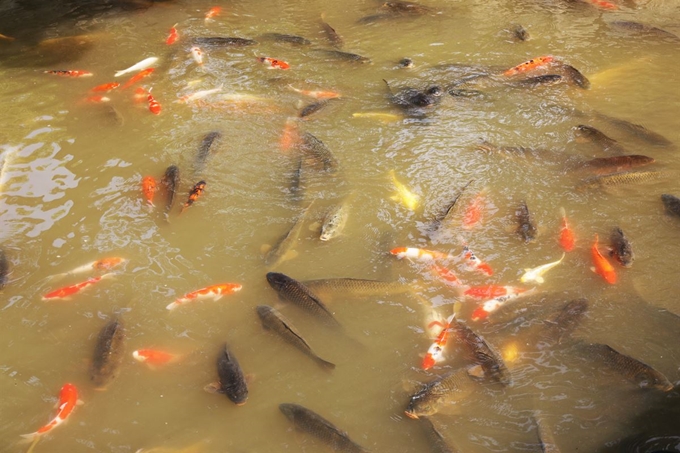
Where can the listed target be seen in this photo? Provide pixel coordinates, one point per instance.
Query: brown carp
(108, 353)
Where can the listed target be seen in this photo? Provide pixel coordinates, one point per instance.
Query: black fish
(409, 98)
(621, 248)
(637, 130)
(519, 33)
(170, 183)
(525, 228)
(231, 383)
(296, 292)
(4, 269)
(533, 82)
(565, 321)
(287, 39)
(220, 41)
(671, 203)
(108, 353)
(479, 352)
(333, 37)
(345, 56)
(204, 150)
(312, 108)
(638, 27)
(574, 75)
(405, 63)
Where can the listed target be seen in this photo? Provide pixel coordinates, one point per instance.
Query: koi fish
(379, 116)
(149, 188)
(154, 105)
(69, 73)
(153, 357)
(140, 95)
(536, 274)
(68, 399)
(103, 264)
(212, 12)
(602, 266)
(475, 263)
(446, 274)
(603, 4)
(67, 291)
(405, 196)
(273, 63)
(435, 352)
(136, 78)
(491, 291)
(530, 65)
(199, 95)
(419, 254)
(491, 305)
(138, 66)
(97, 99)
(316, 94)
(196, 192)
(566, 234)
(290, 136)
(214, 292)
(197, 55)
(474, 211)
(106, 87)
(173, 36)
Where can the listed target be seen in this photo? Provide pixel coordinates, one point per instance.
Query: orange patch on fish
(273, 63)
(530, 65)
(106, 87)
(149, 188)
(602, 266)
(210, 292)
(68, 400)
(137, 77)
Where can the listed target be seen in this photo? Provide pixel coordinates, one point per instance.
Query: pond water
(70, 193)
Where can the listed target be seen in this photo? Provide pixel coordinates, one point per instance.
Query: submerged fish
(632, 369)
(312, 108)
(403, 7)
(536, 274)
(437, 440)
(108, 353)
(671, 203)
(615, 164)
(231, 382)
(409, 199)
(564, 322)
(316, 151)
(526, 227)
(566, 239)
(536, 81)
(67, 291)
(273, 320)
(444, 220)
(103, 264)
(68, 400)
(621, 248)
(593, 135)
(283, 249)
(343, 56)
(644, 28)
(312, 423)
(334, 221)
(637, 130)
(331, 35)
(294, 291)
(287, 39)
(220, 41)
(153, 357)
(204, 150)
(444, 390)
(545, 435)
(479, 352)
(4, 269)
(622, 178)
(519, 33)
(170, 182)
(355, 287)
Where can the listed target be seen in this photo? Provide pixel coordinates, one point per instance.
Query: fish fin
(213, 387)
(326, 365)
(172, 306)
(219, 296)
(539, 279)
(476, 371)
(593, 269)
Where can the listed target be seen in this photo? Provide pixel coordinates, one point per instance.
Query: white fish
(199, 95)
(138, 67)
(197, 53)
(536, 274)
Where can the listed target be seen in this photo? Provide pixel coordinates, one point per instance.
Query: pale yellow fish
(380, 116)
(404, 195)
(618, 72)
(510, 352)
(536, 274)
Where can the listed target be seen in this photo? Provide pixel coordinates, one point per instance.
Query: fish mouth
(411, 415)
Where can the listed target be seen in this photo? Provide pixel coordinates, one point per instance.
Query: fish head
(422, 403)
(263, 310)
(651, 378)
(277, 280)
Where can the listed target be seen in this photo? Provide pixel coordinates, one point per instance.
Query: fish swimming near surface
(149, 188)
(332, 36)
(69, 73)
(194, 194)
(170, 182)
(564, 322)
(473, 262)
(630, 368)
(671, 203)
(409, 199)
(294, 291)
(442, 391)
(312, 423)
(530, 65)
(602, 267)
(474, 211)
(317, 153)
(590, 134)
(68, 291)
(287, 39)
(343, 56)
(622, 178)
(144, 64)
(173, 36)
(154, 106)
(284, 247)
(4, 269)
(526, 228)
(221, 41)
(621, 250)
(423, 255)
(490, 306)
(637, 130)
(105, 88)
(212, 13)
(136, 78)
(197, 55)
(444, 220)
(545, 434)
(407, 8)
(435, 353)
(273, 63)
(479, 352)
(536, 274)
(313, 108)
(68, 400)
(153, 357)
(638, 27)
(538, 81)
(574, 76)
(566, 239)
(614, 164)
(232, 382)
(215, 292)
(204, 150)
(437, 441)
(334, 221)
(317, 94)
(273, 320)
(108, 353)
(103, 264)
(198, 95)
(519, 33)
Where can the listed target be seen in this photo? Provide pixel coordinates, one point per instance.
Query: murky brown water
(70, 194)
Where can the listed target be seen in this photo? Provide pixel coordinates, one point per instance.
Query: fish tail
(172, 306)
(563, 212)
(326, 365)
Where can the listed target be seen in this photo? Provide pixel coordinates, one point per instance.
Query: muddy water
(70, 194)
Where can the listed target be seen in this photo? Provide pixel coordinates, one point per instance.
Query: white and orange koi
(103, 264)
(491, 305)
(435, 352)
(68, 400)
(138, 66)
(491, 291)
(197, 55)
(473, 262)
(153, 357)
(67, 291)
(316, 94)
(419, 254)
(214, 292)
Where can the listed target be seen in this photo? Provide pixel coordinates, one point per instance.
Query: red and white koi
(316, 94)
(67, 291)
(154, 105)
(103, 264)
(474, 211)
(198, 95)
(140, 95)
(273, 63)
(147, 62)
(447, 276)
(173, 36)
(491, 305)
(106, 87)
(214, 292)
(435, 352)
(69, 73)
(212, 12)
(419, 254)
(197, 55)
(473, 262)
(137, 77)
(153, 357)
(68, 400)
(530, 65)
(491, 291)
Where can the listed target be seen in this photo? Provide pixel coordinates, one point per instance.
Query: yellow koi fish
(403, 195)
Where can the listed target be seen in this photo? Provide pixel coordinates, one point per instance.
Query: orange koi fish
(106, 87)
(140, 95)
(491, 291)
(273, 63)
(196, 192)
(97, 99)
(316, 94)
(68, 400)
(435, 353)
(103, 264)
(137, 77)
(475, 263)
(566, 234)
(149, 188)
(603, 4)
(446, 274)
(154, 105)
(197, 55)
(419, 254)
(153, 357)
(530, 65)
(69, 73)
(67, 291)
(474, 211)
(214, 292)
(213, 12)
(290, 136)
(602, 266)
(494, 304)
(173, 36)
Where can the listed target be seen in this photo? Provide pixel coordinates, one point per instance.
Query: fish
(290, 137)
(334, 221)
(621, 250)
(622, 178)
(443, 390)
(490, 291)
(273, 320)
(212, 13)
(474, 210)
(536, 274)
(294, 291)
(530, 65)
(4, 269)
(273, 63)
(630, 368)
(312, 108)
(644, 28)
(6, 38)
(232, 383)
(403, 7)
(68, 400)
(380, 116)
(542, 80)
(447, 276)
(545, 435)
(154, 105)
(593, 135)
(149, 188)
(526, 227)
(406, 63)
(97, 99)
(214, 292)
(67, 291)
(316, 94)
(451, 210)
(348, 287)
(423, 255)
(69, 73)
(435, 353)
(103, 264)
(296, 188)
(136, 78)
(153, 357)
(407, 198)
(198, 95)
(222, 41)
(637, 130)
(108, 353)
(196, 192)
(373, 18)
(170, 182)
(491, 305)
(343, 56)
(477, 351)
(602, 267)
(146, 63)
(312, 423)
(473, 262)
(204, 150)
(564, 322)
(519, 33)
(105, 87)
(671, 203)
(318, 152)
(173, 36)
(574, 76)
(287, 39)
(197, 55)
(615, 164)
(331, 35)
(566, 239)
(283, 249)
(437, 441)
(415, 101)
